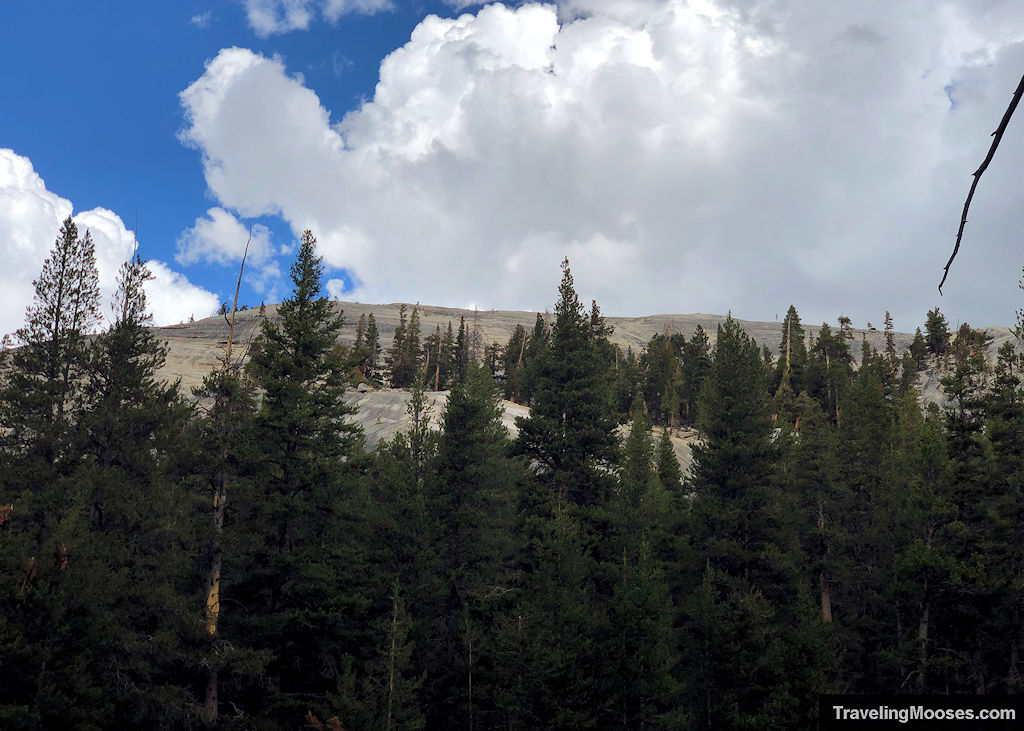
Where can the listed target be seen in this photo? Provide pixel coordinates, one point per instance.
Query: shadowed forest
(234, 558)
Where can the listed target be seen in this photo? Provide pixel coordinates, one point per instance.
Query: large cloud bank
(686, 156)
(30, 218)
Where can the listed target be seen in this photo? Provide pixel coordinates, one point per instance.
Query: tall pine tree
(571, 431)
(293, 581)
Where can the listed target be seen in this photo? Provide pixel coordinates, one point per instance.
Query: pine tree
(908, 374)
(476, 337)
(552, 648)
(462, 352)
(130, 536)
(732, 467)
(606, 357)
(420, 439)
(628, 383)
(398, 707)
(570, 431)
(937, 332)
(432, 359)
(122, 370)
(792, 367)
(493, 354)
(830, 370)
(919, 349)
(41, 400)
(637, 464)
(670, 474)
(449, 356)
(845, 327)
(292, 580)
(1005, 544)
(360, 333)
(358, 353)
(411, 351)
(404, 535)
(891, 357)
(1004, 409)
(400, 377)
(974, 491)
(695, 365)
(642, 692)
(115, 620)
(226, 459)
(371, 368)
(821, 499)
(917, 525)
(513, 364)
(662, 378)
(536, 348)
(44, 390)
(639, 685)
(42, 397)
(757, 651)
(469, 499)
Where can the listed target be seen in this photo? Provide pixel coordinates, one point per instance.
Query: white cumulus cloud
(30, 218)
(172, 298)
(220, 238)
(267, 17)
(686, 155)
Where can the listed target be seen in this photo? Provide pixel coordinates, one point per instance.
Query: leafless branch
(997, 137)
(234, 304)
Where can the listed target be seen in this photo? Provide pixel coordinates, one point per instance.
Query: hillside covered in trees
(233, 557)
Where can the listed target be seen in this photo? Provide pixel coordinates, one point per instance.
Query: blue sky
(92, 90)
(700, 155)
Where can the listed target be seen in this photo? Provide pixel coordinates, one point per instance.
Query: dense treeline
(237, 560)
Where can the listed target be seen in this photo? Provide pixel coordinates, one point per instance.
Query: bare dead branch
(997, 137)
(234, 304)
(244, 354)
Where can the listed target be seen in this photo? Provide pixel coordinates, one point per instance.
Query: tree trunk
(209, 714)
(922, 639)
(826, 590)
(437, 366)
(213, 596)
(1015, 651)
(220, 499)
(469, 641)
(789, 336)
(826, 598)
(391, 655)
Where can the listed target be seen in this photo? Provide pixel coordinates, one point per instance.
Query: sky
(702, 156)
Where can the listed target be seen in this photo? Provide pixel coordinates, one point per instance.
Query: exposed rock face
(382, 414)
(196, 347)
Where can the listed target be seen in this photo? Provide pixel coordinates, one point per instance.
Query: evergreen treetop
(936, 332)
(732, 465)
(571, 430)
(297, 365)
(46, 378)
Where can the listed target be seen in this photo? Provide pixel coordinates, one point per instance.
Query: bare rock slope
(196, 346)
(195, 349)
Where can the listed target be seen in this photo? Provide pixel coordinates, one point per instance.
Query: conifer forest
(235, 558)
